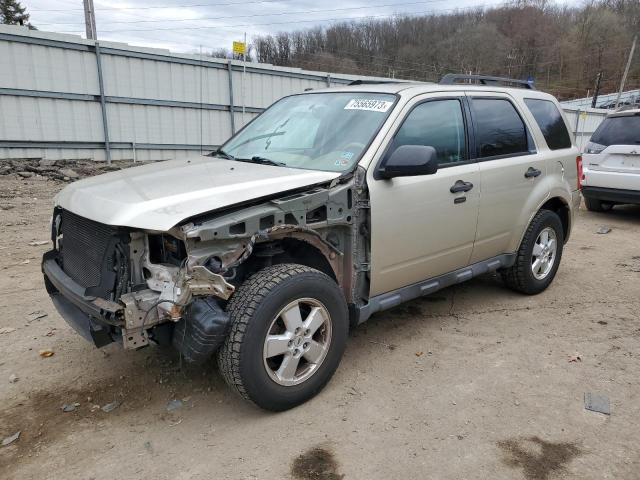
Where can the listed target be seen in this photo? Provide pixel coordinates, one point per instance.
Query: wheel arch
(301, 250)
(561, 207)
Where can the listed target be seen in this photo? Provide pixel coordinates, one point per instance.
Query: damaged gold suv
(330, 206)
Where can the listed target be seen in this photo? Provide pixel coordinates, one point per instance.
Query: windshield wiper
(221, 153)
(261, 161)
(260, 137)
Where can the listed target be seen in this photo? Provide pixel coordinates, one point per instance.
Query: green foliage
(12, 13)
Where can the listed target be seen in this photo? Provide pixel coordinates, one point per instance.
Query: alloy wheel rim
(544, 253)
(297, 341)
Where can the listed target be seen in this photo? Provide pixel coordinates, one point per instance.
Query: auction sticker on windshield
(370, 105)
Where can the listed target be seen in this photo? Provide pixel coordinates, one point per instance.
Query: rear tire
(269, 357)
(542, 243)
(595, 205)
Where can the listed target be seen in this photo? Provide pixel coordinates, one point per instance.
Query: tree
(561, 47)
(12, 13)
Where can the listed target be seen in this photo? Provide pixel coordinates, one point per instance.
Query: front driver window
(438, 124)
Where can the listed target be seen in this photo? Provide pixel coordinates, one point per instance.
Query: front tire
(288, 333)
(538, 257)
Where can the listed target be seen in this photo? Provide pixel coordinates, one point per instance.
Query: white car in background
(611, 162)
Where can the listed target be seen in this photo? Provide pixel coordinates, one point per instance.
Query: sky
(189, 26)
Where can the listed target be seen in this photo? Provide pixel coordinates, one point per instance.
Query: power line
(340, 19)
(256, 14)
(153, 7)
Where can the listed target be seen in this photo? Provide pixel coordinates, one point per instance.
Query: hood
(160, 195)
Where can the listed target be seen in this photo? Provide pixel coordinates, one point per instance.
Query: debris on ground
(70, 407)
(389, 346)
(575, 358)
(37, 315)
(419, 354)
(38, 243)
(174, 405)
(46, 353)
(69, 173)
(597, 403)
(603, 230)
(6, 206)
(9, 440)
(13, 378)
(4, 330)
(110, 407)
(65, 170)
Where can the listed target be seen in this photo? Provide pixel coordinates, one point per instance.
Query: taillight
(579, 171)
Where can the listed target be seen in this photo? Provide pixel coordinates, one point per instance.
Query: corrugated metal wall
(58, 92)
(584, 122)
(157, 104)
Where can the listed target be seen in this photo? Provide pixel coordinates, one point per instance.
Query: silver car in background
(611, 163)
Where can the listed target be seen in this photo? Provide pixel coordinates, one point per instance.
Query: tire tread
(241, 308)
(516, 276)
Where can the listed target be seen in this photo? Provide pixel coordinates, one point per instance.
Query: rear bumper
(94, 318)
(612, 194)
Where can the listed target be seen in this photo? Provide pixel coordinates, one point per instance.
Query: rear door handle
(461, 186)
(532, 173)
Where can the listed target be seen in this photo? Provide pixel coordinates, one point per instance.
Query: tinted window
(438, 124)
(550, 122)
(618, 131)
(500, 130)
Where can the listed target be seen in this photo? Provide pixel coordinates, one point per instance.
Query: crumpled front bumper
(95, 319)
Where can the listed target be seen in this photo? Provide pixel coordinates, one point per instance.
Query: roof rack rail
(454, 78)
(370, 82)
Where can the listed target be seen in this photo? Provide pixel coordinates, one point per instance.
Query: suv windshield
(622, 130)
(316, 131)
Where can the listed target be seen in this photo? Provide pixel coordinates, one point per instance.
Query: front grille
(87, 252)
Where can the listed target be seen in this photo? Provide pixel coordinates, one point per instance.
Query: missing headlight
(165, 249)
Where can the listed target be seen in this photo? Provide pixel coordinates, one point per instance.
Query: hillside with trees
(562, 48)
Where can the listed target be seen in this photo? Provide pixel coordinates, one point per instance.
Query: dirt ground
(472, 382)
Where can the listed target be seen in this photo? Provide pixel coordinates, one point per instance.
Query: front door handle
(461, 186)
(532, 173)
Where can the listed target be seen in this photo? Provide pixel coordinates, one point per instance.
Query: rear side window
(618, 131)
(499, 128)
(550, 122)
(438, 124)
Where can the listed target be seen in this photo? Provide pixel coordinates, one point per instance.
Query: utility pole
(596, 92)
(90, 20)
(626, 70)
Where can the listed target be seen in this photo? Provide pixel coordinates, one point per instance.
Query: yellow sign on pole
(239, 48)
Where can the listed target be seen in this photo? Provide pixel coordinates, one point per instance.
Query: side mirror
(409, 161)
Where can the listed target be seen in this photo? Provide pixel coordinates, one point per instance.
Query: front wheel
(538, 257)
(289, 331)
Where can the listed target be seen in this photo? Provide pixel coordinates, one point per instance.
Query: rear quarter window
(551, 123)
(624, 130)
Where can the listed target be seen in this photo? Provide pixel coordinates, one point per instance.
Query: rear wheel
(288, 334)
(595, 205)
(539, 255)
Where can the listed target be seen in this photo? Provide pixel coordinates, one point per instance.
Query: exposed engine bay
(172, 287)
